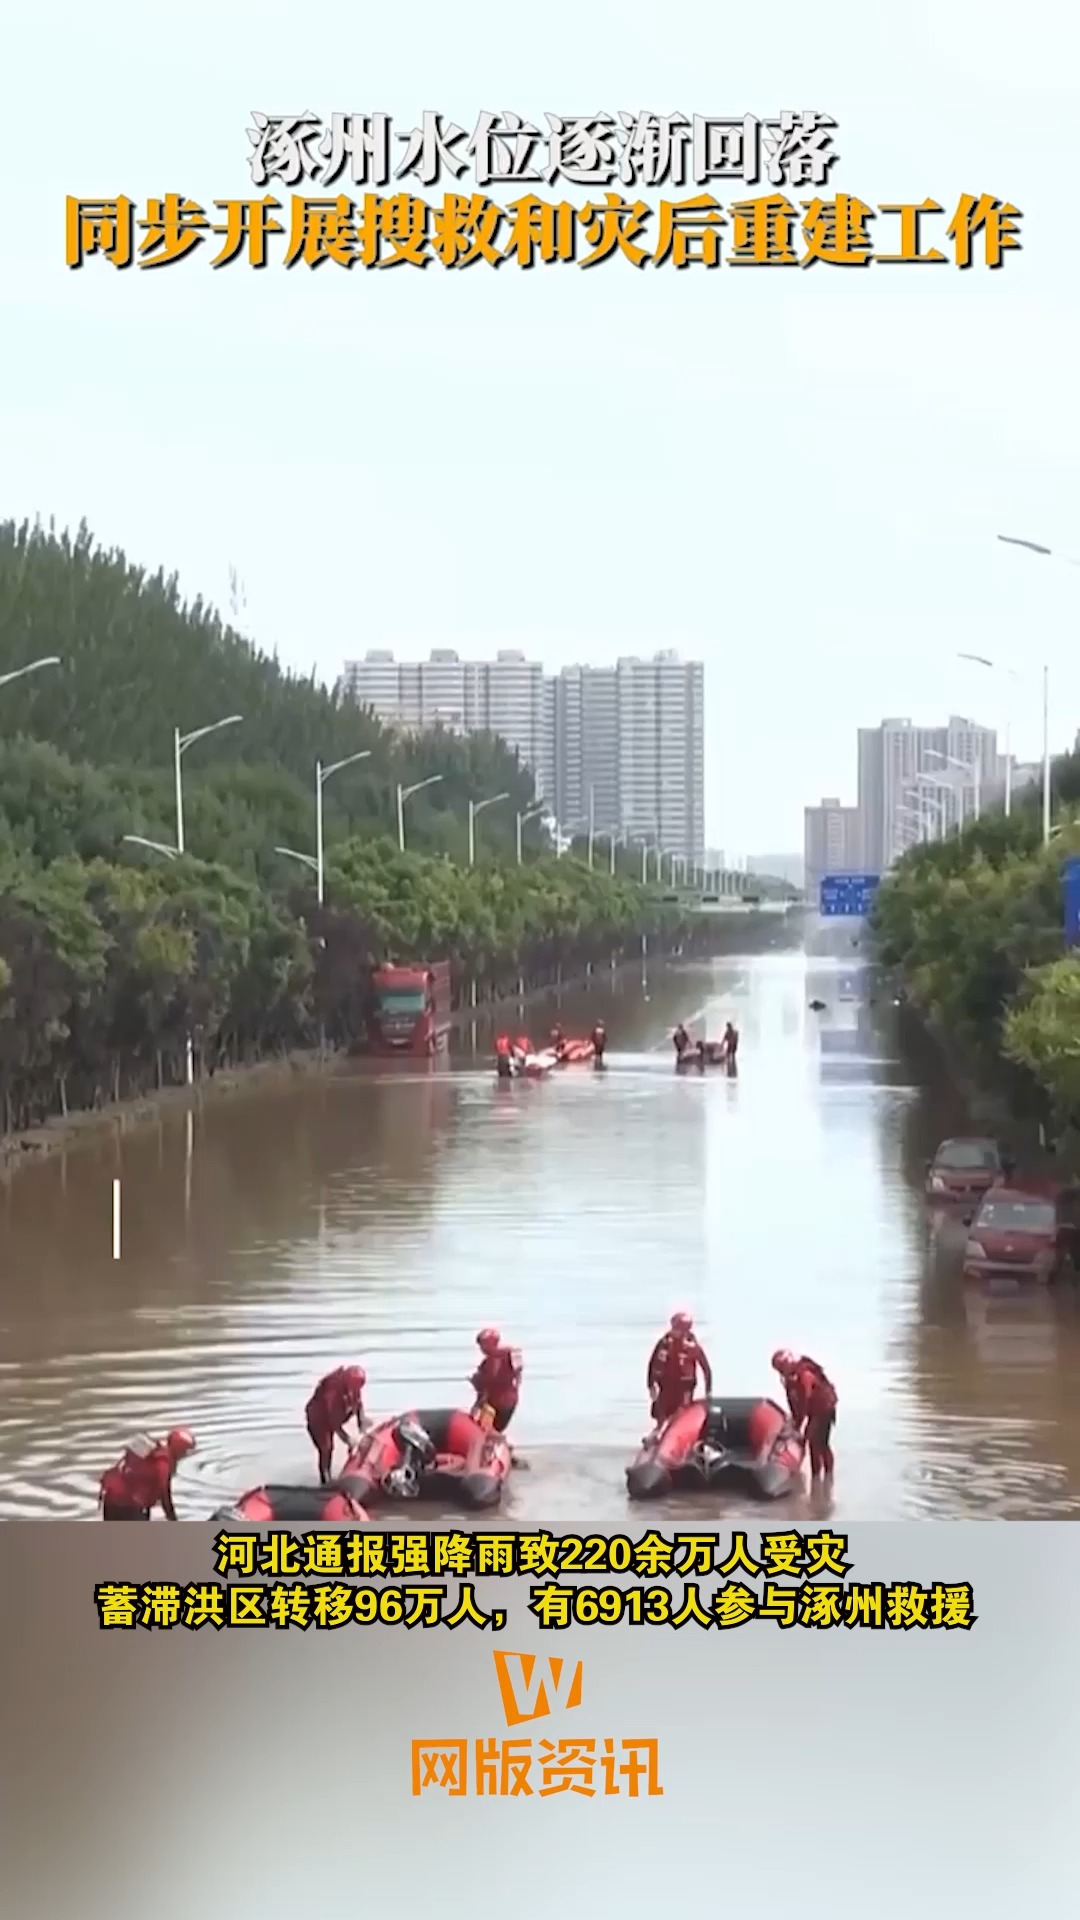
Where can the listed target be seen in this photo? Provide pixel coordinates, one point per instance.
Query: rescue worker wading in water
(673, 1369)
(504, 1058)
(338, 1398)
(497, 1380)
(812, 1400)
(680, 1040)
(142, 1478)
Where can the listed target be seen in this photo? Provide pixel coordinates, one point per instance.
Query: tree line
(974, 926)
(111, 955)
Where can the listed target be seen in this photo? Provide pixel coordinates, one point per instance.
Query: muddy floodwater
(384, 1215)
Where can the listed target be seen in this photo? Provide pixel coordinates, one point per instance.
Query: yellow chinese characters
(332, 1605)
(461, 229)
(540, 1769)
(330, 1579)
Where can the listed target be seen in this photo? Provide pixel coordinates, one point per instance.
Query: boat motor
(404, 1480)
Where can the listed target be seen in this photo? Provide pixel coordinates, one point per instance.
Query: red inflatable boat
(737, 1444)
(712, 1055)
(335, 1505)
(440, 1454)
(573, 1053)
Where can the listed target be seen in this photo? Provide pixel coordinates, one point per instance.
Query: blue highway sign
(847, 896)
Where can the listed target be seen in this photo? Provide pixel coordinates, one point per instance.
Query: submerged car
(1025, 1233)
(961, 1171)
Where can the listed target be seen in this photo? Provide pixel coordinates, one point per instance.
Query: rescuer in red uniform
(673, 1369)
(504, 1058)
(497, 1380)
(142, 1478)
(812, 1400)
(337, 1398)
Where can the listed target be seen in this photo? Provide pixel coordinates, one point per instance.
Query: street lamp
(969, 767)
(980, 660)
(530, 813)
(168, 853)
(943, 787)
(18, 673)
(406, 793)
(613, 836)
(155, 846)
(913, 813)
(475, 807)
(181, 743)
(592, 821)
(322, 775)
(1010, 540)
(306, 859)
(646, 841)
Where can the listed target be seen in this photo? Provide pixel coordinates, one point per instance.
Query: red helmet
(681, 1323)
(488, 1340)
(180, 1441)
(784, 1361)
(356, 1377)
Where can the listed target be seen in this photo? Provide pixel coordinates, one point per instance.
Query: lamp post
(980, 660)
(475, 807)
(155, 846)
(168, 853)
(1048, 553)
(909, 815)
(529, 813)
(406, 793)
(306, 859)
(181, 743)
(942, 787)
(32, 666)
(612, 836)
(322, 775)
(968, 767)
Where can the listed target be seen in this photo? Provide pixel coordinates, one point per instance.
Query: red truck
(409, 1008)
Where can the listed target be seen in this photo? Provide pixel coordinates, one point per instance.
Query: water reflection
(384, 1214)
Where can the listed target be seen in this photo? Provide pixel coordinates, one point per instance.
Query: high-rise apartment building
(832, 843)
(913, 779)
(622, 746)
(625, 749)
(503, 696)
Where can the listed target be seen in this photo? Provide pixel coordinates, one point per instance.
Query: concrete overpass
(744, 902)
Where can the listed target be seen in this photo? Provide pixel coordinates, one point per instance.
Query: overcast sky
(795, 476)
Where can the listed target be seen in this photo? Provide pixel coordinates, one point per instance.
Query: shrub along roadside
(104, 968)
(974, 928)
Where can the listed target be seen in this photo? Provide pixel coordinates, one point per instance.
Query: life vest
(815, 1388)
(135, 1480)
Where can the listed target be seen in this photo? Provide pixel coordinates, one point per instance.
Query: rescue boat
(533, 1066)
(431, 1454)
(333, 1505)
(747, 1445)
(714, 1055)
(574, 1053)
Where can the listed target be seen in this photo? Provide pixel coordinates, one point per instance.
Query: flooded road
(383, 1216)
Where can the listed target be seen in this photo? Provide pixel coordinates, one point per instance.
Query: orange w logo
(530, 1687)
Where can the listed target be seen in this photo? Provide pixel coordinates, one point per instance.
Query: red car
(961, 1171)
(1029, 1232)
